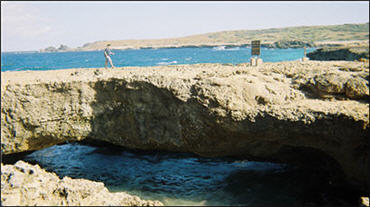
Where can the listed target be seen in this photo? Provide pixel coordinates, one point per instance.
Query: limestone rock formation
(291, 44)
(355, 87)
(23, 184)
(311, 112)
(340, 53)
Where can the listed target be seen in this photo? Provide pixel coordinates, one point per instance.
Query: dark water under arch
(187, 179)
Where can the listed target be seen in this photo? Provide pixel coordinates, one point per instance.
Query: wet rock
(23, 184)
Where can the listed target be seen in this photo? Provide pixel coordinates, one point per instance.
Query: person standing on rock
(107, 53)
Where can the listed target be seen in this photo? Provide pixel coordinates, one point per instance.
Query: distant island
(61, 48)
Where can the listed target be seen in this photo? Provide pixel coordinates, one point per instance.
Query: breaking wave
(167, 63)
(222, 48)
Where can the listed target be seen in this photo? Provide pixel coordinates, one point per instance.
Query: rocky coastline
(312, 112)
(281, 44)
(340, 53)
(23, 184)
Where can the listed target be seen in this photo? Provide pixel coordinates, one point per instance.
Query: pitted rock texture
(348, 53)
(273, 111)
(24, 184)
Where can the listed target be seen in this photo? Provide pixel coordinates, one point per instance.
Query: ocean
(18, 61)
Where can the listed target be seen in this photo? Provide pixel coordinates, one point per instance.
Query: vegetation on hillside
(306, 34)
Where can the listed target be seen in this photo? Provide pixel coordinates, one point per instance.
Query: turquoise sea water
(12, 61)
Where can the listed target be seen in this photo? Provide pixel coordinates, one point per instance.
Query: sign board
(256, 47)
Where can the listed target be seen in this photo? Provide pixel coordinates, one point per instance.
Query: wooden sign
(256, 47)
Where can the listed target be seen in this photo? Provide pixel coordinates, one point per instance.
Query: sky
(33, 25)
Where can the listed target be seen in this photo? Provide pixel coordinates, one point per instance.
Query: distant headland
(287, 37)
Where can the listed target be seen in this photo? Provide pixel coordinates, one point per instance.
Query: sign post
(256, 51)
(256, 47)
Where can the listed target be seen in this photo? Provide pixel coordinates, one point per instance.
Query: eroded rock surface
(349, 53)
(289, 111)
(24, 184)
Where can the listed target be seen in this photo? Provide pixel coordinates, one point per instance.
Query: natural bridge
(310, 113)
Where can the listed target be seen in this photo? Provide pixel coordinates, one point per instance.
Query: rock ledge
(23, 184)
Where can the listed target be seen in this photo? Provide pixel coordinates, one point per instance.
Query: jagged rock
(266, 112)
(357, 88)
(339, 84)
(291, 44)
(330, 83)
(23, 184)
(339, 53)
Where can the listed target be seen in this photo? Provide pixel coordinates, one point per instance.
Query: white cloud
(21, 20)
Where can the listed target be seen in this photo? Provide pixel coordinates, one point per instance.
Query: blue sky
(35, 25)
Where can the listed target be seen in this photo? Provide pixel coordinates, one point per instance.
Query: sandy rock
(24, 184)
(357, 88)
(331, 83)
(272, 111)
(339, 84)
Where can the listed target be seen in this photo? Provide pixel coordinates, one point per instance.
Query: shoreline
(157, 47)
(270, 45)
